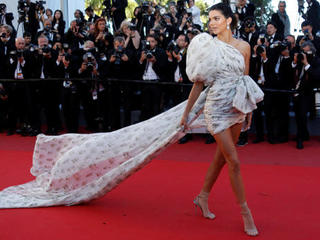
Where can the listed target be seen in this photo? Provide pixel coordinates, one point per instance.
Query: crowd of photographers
(151, 47)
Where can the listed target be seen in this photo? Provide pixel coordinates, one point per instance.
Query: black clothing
(120, 13)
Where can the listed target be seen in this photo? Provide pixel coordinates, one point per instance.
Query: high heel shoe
(204, 208)
(249, 226)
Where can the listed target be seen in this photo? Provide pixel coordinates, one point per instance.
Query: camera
(300, 57)
(173, 47)
(16, 54)
(281, 46)
(248, 23)
(147, 49)
(39, 5)
(132, 27)
(144, 8)
(88, 56)
(3, 35)
(261, 48)
(193, 31)
(67, 57)
(189, 18)
(46, 49)
(118, 54)
(23, 7)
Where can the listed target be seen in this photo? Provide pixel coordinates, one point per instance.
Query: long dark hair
(54, 18)
(226, 12)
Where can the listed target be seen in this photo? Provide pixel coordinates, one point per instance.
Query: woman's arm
(193, 96)
(247, 54)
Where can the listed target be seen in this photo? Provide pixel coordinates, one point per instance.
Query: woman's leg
(211, 177)
(228, 149)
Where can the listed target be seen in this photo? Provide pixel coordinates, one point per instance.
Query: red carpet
(282, 186)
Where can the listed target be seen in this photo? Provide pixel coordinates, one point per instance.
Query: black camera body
(118, 53)
(46, 49)
(147, 49)
(15, 54)
(173, 47)
(261, 48)
(3, 35)
(281, 45)
(22, 11)
(133, 27)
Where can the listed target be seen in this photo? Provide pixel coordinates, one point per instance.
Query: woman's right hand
(183, 121)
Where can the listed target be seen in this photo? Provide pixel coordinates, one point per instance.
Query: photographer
(132, 36)
(282, 19)
(6, 18)
(18, 67)
(79, 17)
(148, 19)
(313, 14)
(306, 66)
(47, 31)
(101, 34)
(173, 13)
(65, 68)
(195, 11)
(118, 9)
(244, 10)
(92, 17)
(45, 93)
(278, 75)
(185, 23)
(7, 44)
(153, 63)
(89, 90)
(74, 37)
(308, 35)
(28, 15)
(249, 32)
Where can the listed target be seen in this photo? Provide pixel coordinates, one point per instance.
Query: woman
(224, 123)
(58, 24)
(75, 168)
(100, 34)
(132, 37)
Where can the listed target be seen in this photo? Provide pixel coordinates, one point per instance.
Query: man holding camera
(18, 67)
(306, 67)
(74, 36)
(308, 35)
(47, 31)
(6, 18)
(195, 12)
(28, 15)
(153, 62)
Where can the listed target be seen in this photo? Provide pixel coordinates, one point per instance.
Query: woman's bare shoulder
(243, 47)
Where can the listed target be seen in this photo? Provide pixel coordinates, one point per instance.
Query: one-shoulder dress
(74, 168)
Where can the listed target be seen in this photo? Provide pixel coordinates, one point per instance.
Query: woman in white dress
(75, 168)
(223, 121)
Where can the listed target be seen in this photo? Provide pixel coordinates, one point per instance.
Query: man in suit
(18, 66)
(306, 76)
(313, 14)
(6, 18)
(118, 9)
(153, 63)
(309, 35)
(244, 10)
(281, 19)
(92, 16)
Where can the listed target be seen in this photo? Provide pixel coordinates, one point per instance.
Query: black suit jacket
(313, 15)
(120, 13)
(182, 66)
(249, 11)
(160, 66)
(280, 26)
(93, 19)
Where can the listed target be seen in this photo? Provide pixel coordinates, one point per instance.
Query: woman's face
(217, 22)
(57, 15)
(48, 12)
(101, 26)
(126, 30)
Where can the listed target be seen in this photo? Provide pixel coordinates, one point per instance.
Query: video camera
(23, 8)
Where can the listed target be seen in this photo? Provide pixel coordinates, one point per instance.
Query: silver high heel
(205, 212)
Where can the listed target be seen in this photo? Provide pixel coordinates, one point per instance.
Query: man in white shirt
(195, 13)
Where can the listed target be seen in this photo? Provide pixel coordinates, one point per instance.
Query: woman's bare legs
(212, 174)
(226, 153)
